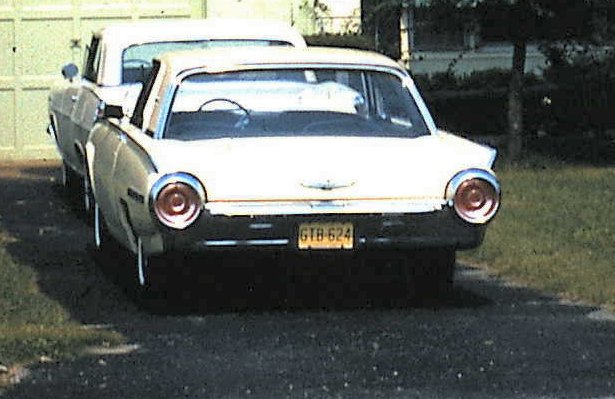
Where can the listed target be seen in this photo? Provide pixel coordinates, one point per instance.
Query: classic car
(307, 150)
(118, 60)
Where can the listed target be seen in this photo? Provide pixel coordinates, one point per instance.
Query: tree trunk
(515, 101)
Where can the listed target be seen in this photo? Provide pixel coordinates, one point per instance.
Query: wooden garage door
(37, 37)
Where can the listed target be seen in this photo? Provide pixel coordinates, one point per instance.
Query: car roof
(221, 60)
(130, 33)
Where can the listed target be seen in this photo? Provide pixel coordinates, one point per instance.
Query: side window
(92, 60)
(137, 116)
(393, 103)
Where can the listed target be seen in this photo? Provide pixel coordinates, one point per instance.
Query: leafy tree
(518, 22)
(526, 21)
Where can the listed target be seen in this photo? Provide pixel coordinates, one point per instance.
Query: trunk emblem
(327, 185)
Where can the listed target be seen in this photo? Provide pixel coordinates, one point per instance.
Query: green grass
(32, 325)
(555, 231)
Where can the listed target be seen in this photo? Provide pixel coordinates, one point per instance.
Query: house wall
(483, 58)
(258, 9)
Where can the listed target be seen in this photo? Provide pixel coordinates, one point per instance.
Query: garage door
(36, 38)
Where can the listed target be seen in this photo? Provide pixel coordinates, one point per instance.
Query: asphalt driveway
(263, 327)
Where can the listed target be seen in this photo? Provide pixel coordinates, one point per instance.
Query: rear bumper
(434, 229)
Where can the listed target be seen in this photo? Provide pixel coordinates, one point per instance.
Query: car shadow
(263, 282)
(49, 234)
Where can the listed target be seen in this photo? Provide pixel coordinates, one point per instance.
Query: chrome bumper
(441, 228)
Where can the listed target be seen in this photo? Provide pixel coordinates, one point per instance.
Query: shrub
(349, 41)
(584, 79)
(476, 104)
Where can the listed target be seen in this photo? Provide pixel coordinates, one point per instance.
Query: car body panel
(262, 175)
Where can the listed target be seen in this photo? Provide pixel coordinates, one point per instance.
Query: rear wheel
(106, 249)
(71, 181)
(131, 271)
(86, 192)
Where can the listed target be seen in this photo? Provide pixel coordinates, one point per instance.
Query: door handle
(73, 98)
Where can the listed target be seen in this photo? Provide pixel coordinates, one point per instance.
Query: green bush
(476, 104)
(349, 41)
(491, 79)
(584, 96)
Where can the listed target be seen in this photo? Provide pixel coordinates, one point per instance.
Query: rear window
(137, 59)
(294, 102)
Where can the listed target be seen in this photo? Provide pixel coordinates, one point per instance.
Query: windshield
(137, 59)
(294, 102)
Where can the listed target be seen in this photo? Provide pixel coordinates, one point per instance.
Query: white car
(322, 150)
(119, 59)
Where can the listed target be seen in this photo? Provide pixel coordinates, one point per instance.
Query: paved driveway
(300, 329)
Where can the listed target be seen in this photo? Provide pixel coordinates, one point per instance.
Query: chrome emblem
(327, 185)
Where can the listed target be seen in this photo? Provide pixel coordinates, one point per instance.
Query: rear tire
(71, 181)
(108, 253)
(86, 193)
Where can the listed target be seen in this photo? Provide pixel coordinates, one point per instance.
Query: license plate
(326, 236)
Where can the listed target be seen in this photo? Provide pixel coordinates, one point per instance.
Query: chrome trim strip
(249, 208)
(327, 185)
(220, 243)
(261, 226)
(236, 243)
(280, 241)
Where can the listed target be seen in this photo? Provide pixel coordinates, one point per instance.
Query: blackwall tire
(71, 181)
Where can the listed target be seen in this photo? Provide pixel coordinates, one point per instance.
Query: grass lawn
(33, 326)
(555, 232)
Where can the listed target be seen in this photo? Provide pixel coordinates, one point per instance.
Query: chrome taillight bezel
(178, 181)
(475, 178)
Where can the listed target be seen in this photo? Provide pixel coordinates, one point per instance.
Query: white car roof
(130, 33)
(220, 60)
(117, 37)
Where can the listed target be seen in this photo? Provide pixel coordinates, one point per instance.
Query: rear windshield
(294, 102)
(137, 59)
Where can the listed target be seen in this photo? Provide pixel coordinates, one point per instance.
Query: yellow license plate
(326, 236)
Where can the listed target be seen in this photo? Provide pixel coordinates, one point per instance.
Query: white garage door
(36, 38)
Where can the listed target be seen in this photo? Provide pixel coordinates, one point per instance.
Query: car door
(61, 104)
(85, 113)
(86, 101)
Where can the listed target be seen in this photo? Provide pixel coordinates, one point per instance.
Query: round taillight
(177, 205)
(476, 200)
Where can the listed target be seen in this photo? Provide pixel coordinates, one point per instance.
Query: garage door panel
(37, 37)
(7, 102)
(32, 121)
(107, 3)
(48, 47)
(49, 4)
(7, 42)
(164, 8)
